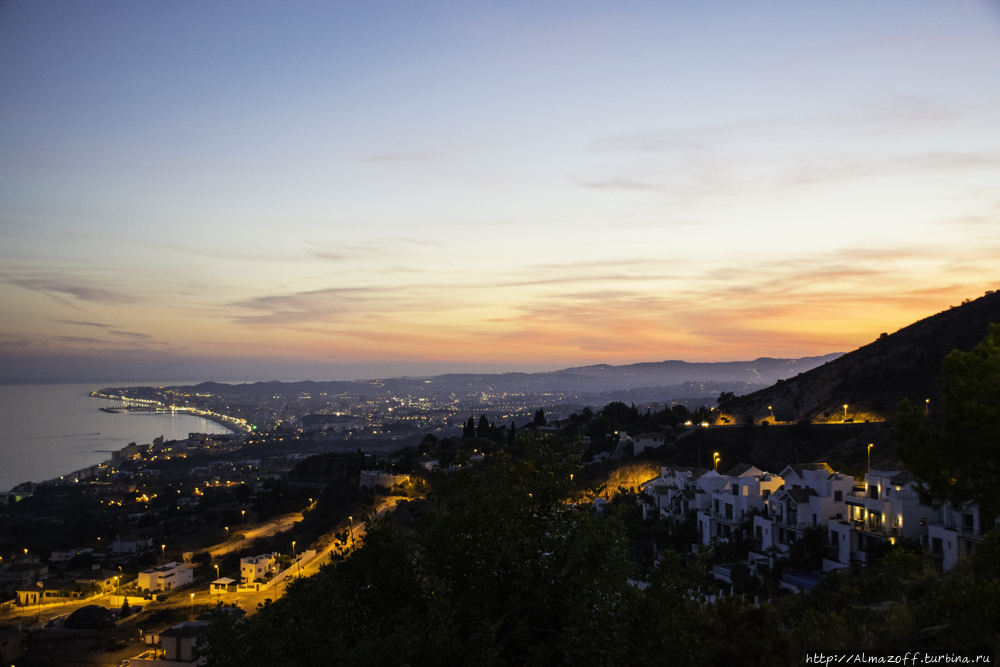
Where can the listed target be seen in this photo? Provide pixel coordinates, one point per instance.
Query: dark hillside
(873, 379)
(843, 446)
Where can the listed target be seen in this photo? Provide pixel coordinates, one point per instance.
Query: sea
(47, 431)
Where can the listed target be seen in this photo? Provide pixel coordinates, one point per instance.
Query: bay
(51, 430)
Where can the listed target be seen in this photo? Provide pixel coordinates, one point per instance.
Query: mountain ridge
(873, 379)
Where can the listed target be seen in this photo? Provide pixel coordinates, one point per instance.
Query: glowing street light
(870, 457)
(715, 459)
(192, 602)
(243, 513)
(163, 550)
(772, 412)
(293, 549)
(845, 411)
(927, 407)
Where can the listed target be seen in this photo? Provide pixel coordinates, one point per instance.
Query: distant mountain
(763, 371)
(667, 379)
(873, 379)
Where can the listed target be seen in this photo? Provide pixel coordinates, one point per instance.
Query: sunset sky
(332, 190)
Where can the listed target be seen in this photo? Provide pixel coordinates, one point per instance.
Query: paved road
(248, 601)
(269, 528)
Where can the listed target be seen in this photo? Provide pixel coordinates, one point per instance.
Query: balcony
(831, 552)
(964, 531)
(791, 522)
(874, 529)
(719, 516)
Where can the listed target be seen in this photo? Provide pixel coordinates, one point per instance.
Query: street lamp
(351, 520)
(772, 412)
(293, 549)
(243, 514)
(715, 459)
(163, 550)
(870, 458)
(192, 602)
(845, 411)
(927, 407)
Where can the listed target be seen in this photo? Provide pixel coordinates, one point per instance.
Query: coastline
(51, 430)
(140, 405)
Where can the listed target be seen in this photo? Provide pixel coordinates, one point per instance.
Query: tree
(498, 570)
(469, 430)
(959, 462)
(540, 417)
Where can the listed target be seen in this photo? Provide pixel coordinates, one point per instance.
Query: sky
(338, 190)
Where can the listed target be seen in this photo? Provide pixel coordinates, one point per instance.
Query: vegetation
(959, 462)
(499, 570)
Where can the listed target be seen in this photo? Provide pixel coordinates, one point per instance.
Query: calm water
(51, 430)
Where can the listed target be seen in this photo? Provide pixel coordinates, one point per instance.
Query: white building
(64, 555)
(166, 577)
(812, 495)
(134, 546)
(646, 441)
(955, 534)
(253, 568)
(743, 493)
(884, 508)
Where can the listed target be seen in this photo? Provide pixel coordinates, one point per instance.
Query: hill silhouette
(873, 379)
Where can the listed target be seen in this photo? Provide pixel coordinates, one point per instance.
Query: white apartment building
(166, 577)
(253, 568)
(744, 493)
(885, 507)
(812, 495)
(682, 489)
(954, 535)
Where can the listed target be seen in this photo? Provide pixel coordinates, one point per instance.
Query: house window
(873, 492)
(923, 521)
(767, 493)
(759, 533)
(736, 489)
(838, 496)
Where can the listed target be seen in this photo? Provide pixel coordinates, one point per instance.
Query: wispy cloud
(60, 285)
(85, 324)
(79, 339)
(848, 168)
(131, 335)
